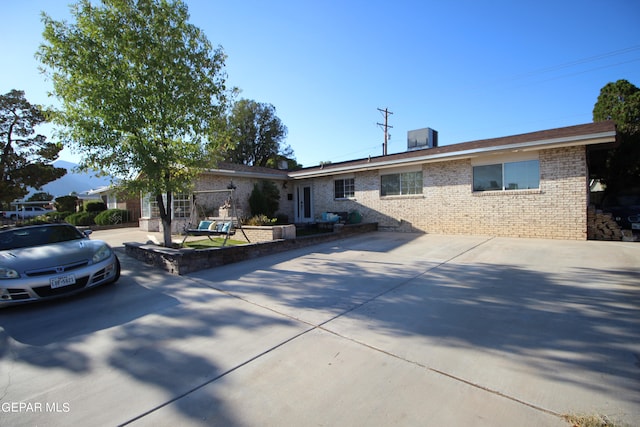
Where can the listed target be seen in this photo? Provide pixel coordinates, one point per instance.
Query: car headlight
(8, 273)
(101, 254)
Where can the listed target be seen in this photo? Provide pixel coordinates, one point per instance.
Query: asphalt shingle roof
(544, 135)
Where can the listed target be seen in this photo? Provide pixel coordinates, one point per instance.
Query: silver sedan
(46, 261)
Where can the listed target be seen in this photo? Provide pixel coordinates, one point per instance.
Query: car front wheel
(117, 275)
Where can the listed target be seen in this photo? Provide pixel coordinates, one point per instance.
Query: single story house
(109, 195)
(528, 185)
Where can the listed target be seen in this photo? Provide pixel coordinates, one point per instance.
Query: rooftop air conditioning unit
(422, 138)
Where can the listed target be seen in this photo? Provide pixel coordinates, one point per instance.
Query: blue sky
(468, 69)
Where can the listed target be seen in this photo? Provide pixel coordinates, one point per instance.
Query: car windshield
(25, 237)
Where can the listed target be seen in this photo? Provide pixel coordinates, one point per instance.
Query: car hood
(50, 256)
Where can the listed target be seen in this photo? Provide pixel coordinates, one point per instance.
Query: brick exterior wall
(558, 210)
(244, 186)
(208, 204)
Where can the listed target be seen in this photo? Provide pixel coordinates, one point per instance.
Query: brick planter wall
(257, 234)
(184, 261)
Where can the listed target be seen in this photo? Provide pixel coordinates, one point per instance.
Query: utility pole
(386, 128)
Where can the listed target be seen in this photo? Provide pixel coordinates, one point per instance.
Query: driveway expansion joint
(447, 375)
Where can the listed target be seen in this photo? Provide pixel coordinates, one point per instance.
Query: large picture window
(344, 188)
(507, 176)
(181, 206)
(401, 183)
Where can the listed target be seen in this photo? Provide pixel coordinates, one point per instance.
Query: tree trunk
(165, 216)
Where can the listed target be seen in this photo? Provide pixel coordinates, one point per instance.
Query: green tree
(25, 159)
(290, 162)
(257, 134)
(40, 197)
(141, 88)
(620, 102)
(619, 168)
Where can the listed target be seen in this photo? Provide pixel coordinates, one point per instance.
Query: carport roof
(585, 134)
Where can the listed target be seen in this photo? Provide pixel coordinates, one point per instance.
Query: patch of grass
(590, 421)
(215, 243)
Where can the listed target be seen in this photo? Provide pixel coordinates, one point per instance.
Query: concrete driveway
(381, 329)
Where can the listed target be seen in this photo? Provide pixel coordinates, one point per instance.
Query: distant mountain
(73, 181)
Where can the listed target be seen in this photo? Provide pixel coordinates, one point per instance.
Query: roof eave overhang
(592, 139)
(244, 174)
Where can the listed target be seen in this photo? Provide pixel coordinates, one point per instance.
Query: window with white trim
(507, 176)
(181, 206)
(397, 184)
(149, 207)
(344, 188)
(112, 201)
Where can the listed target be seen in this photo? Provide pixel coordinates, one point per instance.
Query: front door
(304, 204)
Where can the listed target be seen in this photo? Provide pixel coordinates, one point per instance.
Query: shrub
(264, 199)
(37, 220)
(260, 220)
(57, 216)
(95, 207)
(81, 218)
(112, 216)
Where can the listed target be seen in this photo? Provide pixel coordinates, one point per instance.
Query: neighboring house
(528, 185)
(109, 195)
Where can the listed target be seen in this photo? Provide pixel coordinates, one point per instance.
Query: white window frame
(181, 205)
(502, 160)
(149, 207)
(112, 201)
(403, 190)
(345, 193)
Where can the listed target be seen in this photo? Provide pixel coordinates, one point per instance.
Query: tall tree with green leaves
(143, 93)
(257, 134)
(25, 159)
(619, 167)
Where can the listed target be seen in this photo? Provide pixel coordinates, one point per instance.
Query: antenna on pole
(385, 127)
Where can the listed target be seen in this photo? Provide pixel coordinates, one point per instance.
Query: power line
(588, 71)
(506, 79)
(576, 62)
(350, 154)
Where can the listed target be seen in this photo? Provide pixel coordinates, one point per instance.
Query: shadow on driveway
(565, 338)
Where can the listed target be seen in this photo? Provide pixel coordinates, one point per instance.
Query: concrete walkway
(376, 330)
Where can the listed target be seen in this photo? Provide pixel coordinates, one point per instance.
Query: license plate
(59, 282)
